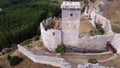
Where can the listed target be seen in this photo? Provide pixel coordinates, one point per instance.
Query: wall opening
(53, 33)
(71, 14)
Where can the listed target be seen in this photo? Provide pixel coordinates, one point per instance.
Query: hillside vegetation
(20, 19)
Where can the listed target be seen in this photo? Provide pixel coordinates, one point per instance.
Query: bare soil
(113, 14)
(26, 63)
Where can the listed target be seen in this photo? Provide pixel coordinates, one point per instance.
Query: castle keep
(70, 22)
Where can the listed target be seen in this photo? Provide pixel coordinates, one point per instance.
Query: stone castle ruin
(69, 32)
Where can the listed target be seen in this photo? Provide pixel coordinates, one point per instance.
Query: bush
(26, 42)
(83, 9)
(61, 49)
(97, 31)
(9, 57)
(93, 1)
(92, 60)
(36, 38)
(86, 2)
(14, 45)
(14, 60)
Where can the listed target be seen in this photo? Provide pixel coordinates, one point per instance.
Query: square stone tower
(70, 22)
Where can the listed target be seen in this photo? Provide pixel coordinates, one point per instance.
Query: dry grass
(57, 24)
(113, 14)
(26, 63)
(85, 27)
(82, 59)
(113, 63)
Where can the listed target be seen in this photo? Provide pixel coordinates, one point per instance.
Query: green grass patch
(61, 49)
(92, 60)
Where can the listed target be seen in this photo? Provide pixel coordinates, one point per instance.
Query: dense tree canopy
(20, 19)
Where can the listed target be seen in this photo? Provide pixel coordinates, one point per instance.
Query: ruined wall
(97, 42)
(116, 42)
(69, 35)
(51, 37)
(99, 19)
(59, 62)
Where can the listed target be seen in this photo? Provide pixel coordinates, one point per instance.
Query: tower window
(53, 33)
(71, 14)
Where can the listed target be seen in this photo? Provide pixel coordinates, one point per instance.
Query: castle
(69, 34)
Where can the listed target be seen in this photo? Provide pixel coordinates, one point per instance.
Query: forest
(20, 19)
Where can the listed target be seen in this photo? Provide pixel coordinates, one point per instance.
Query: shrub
(93, 1)
(14, 45)
(86, 2)
(92, 60)
(9, 57)
(26, 42)
(14, 60)
(83, 9)
(97, 31)
(36, 38)
(61, 49)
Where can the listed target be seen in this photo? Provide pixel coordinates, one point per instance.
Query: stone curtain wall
(116, 42)
(97, 42)
(51, 37)
(59, 62)
(99, 19)
(94, 42)
(92, 54)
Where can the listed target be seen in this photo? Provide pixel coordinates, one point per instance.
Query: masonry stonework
(70, 27)
(70, 22)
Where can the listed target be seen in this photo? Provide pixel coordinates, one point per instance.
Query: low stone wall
(116, 42)
(59, 62)
(89, 65)
(87, 54)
